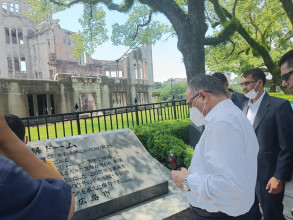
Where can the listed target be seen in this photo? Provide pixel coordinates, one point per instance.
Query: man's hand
(275, 186)
(179, 176)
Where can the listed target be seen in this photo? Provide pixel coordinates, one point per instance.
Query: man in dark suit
(236, 97)
(272, 120)
(286, 66)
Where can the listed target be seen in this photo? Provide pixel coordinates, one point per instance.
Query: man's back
(23, 197)
(227, 151)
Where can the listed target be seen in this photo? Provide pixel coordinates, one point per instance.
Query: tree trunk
(275, 79)
(191, 40)
(190, 29)
(193, 57)
(273, 87)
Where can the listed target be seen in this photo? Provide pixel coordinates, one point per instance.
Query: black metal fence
(76, 123)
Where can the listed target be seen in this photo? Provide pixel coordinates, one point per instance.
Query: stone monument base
(171, 206)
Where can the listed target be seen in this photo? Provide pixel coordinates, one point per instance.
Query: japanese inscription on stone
(99, 167)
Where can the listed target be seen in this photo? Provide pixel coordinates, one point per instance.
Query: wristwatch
(185, 184)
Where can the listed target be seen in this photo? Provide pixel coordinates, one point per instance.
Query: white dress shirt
(253, 108)
(224, 164)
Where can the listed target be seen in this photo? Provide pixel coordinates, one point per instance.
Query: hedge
(283, 96)
(162, 137)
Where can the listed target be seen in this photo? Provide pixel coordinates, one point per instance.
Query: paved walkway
(288, 200)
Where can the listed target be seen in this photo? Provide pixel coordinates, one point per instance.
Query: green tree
(246, 33)
(263, 33)
(158, 85)
(177, 90)
(187, 19)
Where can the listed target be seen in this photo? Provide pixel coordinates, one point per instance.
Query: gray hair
(206, 83)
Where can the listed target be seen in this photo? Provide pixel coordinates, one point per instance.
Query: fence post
(174, 107)
(136, 111)
(78, 124)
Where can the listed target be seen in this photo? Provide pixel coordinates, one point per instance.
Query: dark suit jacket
(273, 126)
(241, 98)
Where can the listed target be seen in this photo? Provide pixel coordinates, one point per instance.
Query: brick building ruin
(39, 75)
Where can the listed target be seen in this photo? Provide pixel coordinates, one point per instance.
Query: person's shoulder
(5, 163)
(278, 101)
(241, 98)
(228, 114)
(7, 168)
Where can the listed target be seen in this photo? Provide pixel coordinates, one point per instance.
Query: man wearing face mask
(272, 120)
(220, 181)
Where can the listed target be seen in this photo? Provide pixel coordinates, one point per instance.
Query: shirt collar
(257, 103)
(212, 113)
(231, 90)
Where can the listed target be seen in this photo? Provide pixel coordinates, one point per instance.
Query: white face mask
(252, 93)
(196, 116)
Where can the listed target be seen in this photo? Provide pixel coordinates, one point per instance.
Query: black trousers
(247, 216)
(272, 205)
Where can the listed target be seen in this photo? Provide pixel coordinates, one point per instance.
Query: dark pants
(272, 205)
(247, 216)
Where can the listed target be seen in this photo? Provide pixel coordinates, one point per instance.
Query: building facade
(39, 74)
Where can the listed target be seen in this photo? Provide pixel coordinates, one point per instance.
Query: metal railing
(77, 123)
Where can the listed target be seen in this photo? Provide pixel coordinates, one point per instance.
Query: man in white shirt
(221, 179)
(272, 120)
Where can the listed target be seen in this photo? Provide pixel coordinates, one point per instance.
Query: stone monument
(107, 171)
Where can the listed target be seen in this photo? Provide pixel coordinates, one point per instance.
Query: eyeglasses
(286, 76)
(190, 101)
(247, 83)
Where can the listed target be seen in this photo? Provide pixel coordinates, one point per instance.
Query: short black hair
(16, 125)
(206, 83)
(220, 76)
(256, 74)
(287, 57)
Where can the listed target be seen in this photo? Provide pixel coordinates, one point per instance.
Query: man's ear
(226, 85)
(204, 95)
(25, 140)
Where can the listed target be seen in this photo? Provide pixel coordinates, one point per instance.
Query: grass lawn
(104, 123)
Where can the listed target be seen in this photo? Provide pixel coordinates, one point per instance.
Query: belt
(206, 214)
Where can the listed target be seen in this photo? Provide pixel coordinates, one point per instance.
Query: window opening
(42, 104)
(7, 35)
(16, 65)
(17, 8)
(11, 8)
(20, 36)
(22, 65)
(52, 104)
(10, 66)
(30, 101)
(13, 35)
(4, 7)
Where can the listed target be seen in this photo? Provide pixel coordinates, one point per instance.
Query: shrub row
(162, 137)
(283, 96)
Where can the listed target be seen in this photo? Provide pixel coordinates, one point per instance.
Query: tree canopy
(262, 35)
(168, 90)
(252, 33)
(187, 19)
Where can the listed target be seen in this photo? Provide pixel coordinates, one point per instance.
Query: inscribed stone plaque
(107, 171)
